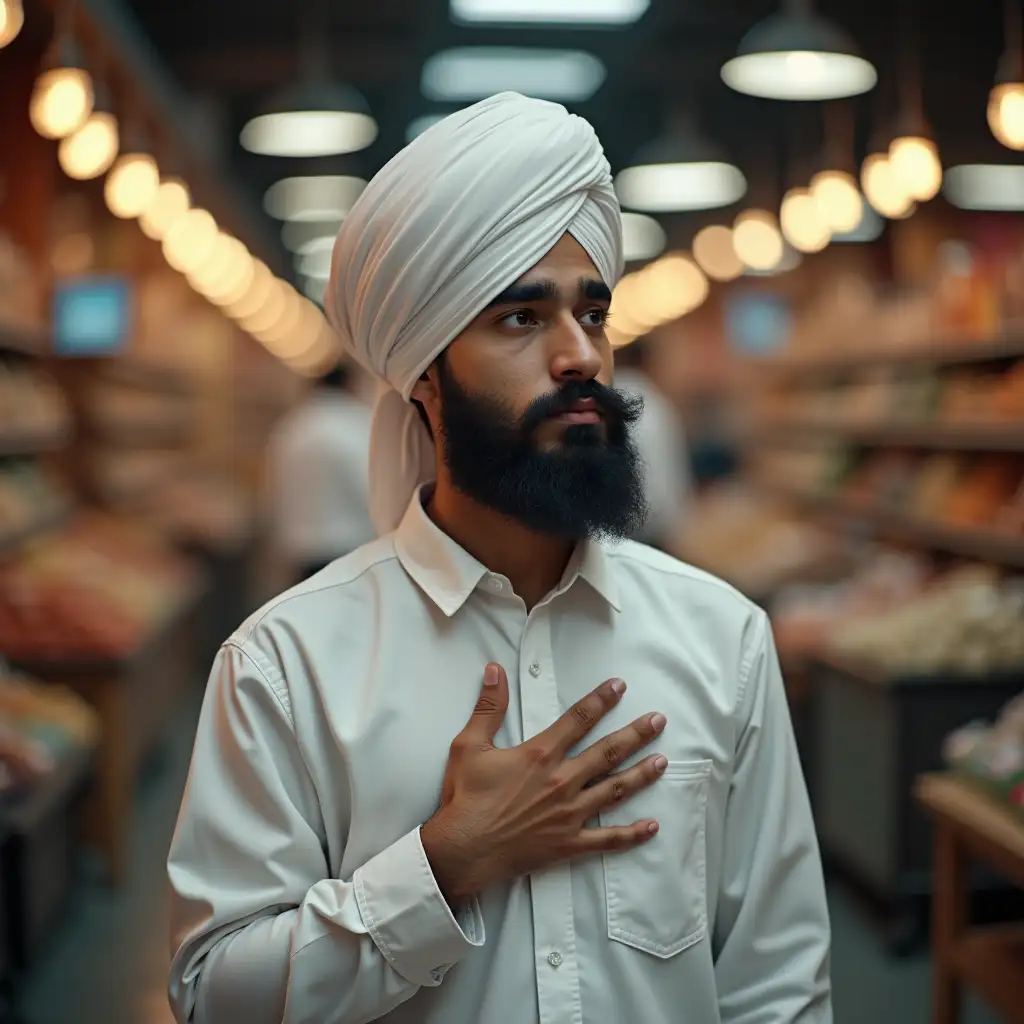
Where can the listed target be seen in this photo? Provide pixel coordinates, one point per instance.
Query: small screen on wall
(91, 315)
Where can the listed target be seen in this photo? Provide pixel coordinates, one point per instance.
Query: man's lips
(584, 411)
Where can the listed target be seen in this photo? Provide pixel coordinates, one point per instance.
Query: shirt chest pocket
(656, 893)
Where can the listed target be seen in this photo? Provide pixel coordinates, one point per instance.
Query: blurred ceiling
(231, 55)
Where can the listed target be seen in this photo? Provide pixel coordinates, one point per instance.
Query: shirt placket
(554, 931)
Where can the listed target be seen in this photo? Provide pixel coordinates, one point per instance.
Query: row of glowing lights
(678, 283)
(216, 265)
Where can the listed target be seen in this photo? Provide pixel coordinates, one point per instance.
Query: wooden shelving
(32, 442)
(983, 545)
(987, 437)
(46, 523)
(33, 341)
(949, 352)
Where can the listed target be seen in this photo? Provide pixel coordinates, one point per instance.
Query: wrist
(449, 864)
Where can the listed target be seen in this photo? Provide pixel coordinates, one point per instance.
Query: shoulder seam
(276, 685)
(756, 646)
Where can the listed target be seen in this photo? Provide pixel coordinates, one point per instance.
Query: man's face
(522, 404)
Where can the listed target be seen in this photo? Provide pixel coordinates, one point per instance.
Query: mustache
(620, 408)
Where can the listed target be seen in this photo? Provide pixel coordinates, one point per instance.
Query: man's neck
(532, 562)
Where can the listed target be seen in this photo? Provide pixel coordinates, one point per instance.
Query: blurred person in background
(411, 798)
(661, 440)
(318, 465)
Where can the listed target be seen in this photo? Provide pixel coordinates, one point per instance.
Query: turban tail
(448, 223)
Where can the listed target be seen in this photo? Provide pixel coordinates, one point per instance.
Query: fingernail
(660, 764)
(491, 675)
(653, 827)
(618, 687)
(657, 722)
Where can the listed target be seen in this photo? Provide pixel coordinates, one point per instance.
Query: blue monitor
(91, 315)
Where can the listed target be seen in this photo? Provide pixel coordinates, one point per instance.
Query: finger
(619, 837)
(491, 705)
(611, 750)
(622, 785)
(568, 730)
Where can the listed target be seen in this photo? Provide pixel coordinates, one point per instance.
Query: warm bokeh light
(628, 315)
(672, 287)
(171, 201)
(883, 189)
(236, 282)
(12, 17)
(1006, 114)
(252, 298)
(915, 162)
(801, 221)
(61, 101)
(89, 151)
(131, 185)
(715, 255)
(219, 259)
(757, 240)
(190, 240)
(838, 200)
(267, 313)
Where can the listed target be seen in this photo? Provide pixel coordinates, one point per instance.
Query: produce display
(96, 590)
(31, 404)
(904, 621)
(29, 495)
(39, 725)
(993, 754)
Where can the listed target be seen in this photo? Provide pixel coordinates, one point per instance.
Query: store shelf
(984, 545)
(145, 435)
(949, 352)
(48, 523)
(33, 442)
(33, 341)
(989, 437)
(147, 376)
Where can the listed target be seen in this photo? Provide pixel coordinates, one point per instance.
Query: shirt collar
(448, 574)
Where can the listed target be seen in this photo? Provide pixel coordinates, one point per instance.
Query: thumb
(491, 705)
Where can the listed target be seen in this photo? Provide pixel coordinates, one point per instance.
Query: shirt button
(534, 669)
(437, 974)
(555, 958)
(496, 584)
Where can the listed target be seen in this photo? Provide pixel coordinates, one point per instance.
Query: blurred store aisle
(108, 965)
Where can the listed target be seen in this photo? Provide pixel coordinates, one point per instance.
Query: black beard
(591, 485)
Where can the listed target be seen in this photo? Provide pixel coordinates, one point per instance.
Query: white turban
(450, 222)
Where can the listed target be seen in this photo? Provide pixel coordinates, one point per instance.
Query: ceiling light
(313, 288)
(797, 55)
(275, 301)
(757, 240)
(1006, 114)
(838, 199)
(469, 73)
(915, 162)
(714, 252)
(420, 124)
(790, 260)
(985, 186)
(190, 240)
(883, 189)
(869, 228)
(90, 150)
(12, 17)
(643, 238)
(131, 185)
(563, 12)
(316, 118)
(296, 235)
(629, 313)
(672, 287)
(660, 188)
(260, 285)
(314, 198)
(802, 223)
(236, 283)
(171, 201)
(316, 263)
(218, 262)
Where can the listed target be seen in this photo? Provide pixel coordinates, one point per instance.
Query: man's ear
(425, 390)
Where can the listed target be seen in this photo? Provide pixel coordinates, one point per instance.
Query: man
(317, 469)
(661, 441)
(368, 833)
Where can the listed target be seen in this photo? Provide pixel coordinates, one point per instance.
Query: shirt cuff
(408, 918)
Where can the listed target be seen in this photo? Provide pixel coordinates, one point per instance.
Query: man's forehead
(567, 258)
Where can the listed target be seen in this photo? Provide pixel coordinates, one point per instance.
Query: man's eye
(595, 317)
(520, 318)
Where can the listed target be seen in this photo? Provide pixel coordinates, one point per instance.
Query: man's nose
(573, 352)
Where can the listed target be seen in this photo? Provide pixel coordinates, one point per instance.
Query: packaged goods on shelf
(29, 495)
(993, 754)
(96, 590)
(206, 509)
(128, 415)
(31, 405)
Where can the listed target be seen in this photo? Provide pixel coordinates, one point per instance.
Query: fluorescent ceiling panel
(469, 73)
(800, 75)
(308, 133)
(985, 186)
(561, 12)
(662, 188)
(643, 237)
(327, 197)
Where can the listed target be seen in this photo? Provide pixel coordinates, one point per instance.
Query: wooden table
(970, 825)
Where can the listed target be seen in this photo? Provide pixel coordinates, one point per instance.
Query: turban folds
(448, 223)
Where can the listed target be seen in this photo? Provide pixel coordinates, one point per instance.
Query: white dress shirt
(301, 893)
(318, 474)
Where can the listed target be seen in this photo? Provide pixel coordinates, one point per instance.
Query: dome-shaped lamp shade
(796, 55)
(315, 118)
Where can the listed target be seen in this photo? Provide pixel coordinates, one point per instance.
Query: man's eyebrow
(535, 291)
(594, 291)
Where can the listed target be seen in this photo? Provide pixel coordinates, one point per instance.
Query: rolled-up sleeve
(260, 932)
(772, 936)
